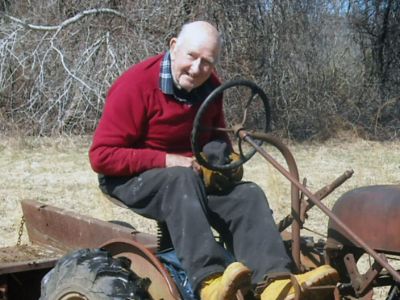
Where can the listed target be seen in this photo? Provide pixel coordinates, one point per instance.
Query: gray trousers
(242, 216)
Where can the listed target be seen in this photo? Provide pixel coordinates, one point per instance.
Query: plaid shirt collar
(166, 81)
(167, 85)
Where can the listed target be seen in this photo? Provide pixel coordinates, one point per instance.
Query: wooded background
(327, 66)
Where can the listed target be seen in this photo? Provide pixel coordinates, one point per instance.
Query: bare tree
(377, 25)
(327, 65)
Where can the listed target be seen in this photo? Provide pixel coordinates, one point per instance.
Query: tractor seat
(163, 237)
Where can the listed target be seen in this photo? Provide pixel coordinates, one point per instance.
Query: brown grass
(53, 171)
(56, 171)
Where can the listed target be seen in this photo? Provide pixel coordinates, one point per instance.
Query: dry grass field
(56, 171)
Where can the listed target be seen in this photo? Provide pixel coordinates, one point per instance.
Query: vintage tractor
(78, 257)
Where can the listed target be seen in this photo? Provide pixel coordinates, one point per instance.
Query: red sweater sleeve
(115, 150)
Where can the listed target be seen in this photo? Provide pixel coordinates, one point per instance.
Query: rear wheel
(93, 274)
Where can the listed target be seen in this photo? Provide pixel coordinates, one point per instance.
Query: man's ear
(172, 47)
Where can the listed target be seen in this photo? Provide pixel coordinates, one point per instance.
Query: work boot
(283, 289)
(224, 287)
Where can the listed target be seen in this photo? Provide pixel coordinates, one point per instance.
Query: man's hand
(174, 160)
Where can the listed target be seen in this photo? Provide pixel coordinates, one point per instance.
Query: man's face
(193, 60)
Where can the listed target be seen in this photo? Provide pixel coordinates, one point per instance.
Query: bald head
(200, 31)
(194, 54)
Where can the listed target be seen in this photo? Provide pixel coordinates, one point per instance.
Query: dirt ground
(56, 171)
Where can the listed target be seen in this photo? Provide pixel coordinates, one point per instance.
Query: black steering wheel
(262, 110)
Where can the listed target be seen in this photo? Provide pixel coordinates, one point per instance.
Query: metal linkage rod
(246, 137)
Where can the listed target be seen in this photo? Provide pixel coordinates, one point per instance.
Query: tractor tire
(93, 274)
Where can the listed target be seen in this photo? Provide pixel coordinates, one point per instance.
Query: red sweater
(140, 124)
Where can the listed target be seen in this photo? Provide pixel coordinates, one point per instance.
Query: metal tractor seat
(163, 236)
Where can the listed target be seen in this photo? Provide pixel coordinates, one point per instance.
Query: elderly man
(142, 150)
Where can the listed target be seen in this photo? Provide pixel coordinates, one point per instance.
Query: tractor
(73, 256)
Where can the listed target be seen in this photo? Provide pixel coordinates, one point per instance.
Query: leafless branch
(67, 22)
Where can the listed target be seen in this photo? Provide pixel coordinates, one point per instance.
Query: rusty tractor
(72, 256)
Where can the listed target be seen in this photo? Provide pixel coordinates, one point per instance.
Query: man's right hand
(174, 160)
